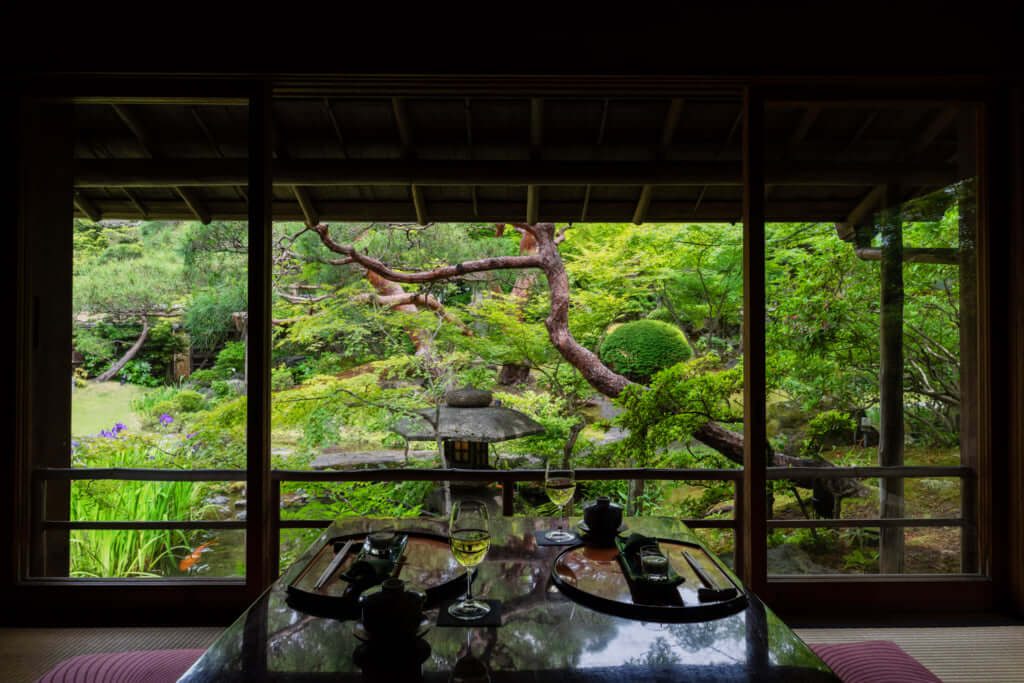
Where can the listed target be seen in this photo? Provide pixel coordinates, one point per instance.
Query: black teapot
(602, 519)
(395, 611)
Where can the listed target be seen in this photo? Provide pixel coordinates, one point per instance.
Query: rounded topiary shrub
(189, 401)
(643, 347)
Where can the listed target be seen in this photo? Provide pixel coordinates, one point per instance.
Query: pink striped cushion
(144, 666)
(873, 661)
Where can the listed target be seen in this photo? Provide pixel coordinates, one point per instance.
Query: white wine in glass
(469, 536)
(560, 486)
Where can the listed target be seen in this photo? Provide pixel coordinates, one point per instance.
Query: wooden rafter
(402, 123)
(306, 204)
(135, 200)
(137, 128)
(86, 206)
(420, 204)
(532, 204)
(941, 122)
(668, 131)
(194, 205)
(336, 127)
(806, 122)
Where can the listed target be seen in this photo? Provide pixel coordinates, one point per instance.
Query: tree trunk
(134, 349)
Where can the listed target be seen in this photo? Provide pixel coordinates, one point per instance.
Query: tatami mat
(988, 654)
(28, 653)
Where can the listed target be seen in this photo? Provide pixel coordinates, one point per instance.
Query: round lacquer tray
(426, 563)
(593, 576)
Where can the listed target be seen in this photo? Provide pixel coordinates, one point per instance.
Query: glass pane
(871, 306)
(159, 335)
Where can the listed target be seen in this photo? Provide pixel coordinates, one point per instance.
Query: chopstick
(711, 591)
(335, 563)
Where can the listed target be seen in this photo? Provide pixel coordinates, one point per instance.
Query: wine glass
(560, 486)
(470, 537)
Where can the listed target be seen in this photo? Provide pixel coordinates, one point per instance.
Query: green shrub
(161, 407)
(828, 429)
(221, 389)
(189, 401)
(231, 359)
(641, 348)
(204, 378)
(281, 378)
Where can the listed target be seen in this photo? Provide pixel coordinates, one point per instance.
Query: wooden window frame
(1001, 480)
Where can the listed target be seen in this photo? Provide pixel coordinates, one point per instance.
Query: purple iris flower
(189, 436)
(166, 419)
(74, 444)
(106, 434)
(119, 427)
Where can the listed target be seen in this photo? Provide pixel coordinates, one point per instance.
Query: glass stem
(469, 584)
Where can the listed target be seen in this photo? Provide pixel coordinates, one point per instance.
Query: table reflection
(544, 636)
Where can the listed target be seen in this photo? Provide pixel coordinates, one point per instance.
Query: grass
(99, 406)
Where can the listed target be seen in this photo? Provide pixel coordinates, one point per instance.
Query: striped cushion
(144, 666)
(873, 661)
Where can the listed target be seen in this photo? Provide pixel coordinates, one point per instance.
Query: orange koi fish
(194, 556)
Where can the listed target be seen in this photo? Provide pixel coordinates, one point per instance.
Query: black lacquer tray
(426, 563)
(592, 576)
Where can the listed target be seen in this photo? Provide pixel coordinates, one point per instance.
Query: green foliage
(221, 389)
(549, 411)
(164, 407)
(103, 343)
(826, 427)
(643, 347)
(863, 560)
(206, 378)
(189, 401)
(679, 400)
(231, 359)
(208, 318)
(106, 553)
(281, 378)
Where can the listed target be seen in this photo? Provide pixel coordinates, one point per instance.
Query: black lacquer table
(544, 636)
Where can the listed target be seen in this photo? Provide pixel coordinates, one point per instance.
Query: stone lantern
(467, 424)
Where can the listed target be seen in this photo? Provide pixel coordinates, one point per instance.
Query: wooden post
(967, 205)
(45, 213)
(260, 527)
(755, 443)
(890, 381)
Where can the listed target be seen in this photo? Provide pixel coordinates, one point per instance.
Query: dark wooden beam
(194, 204)
(86, 206)
(230, 172)
(404, 211)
